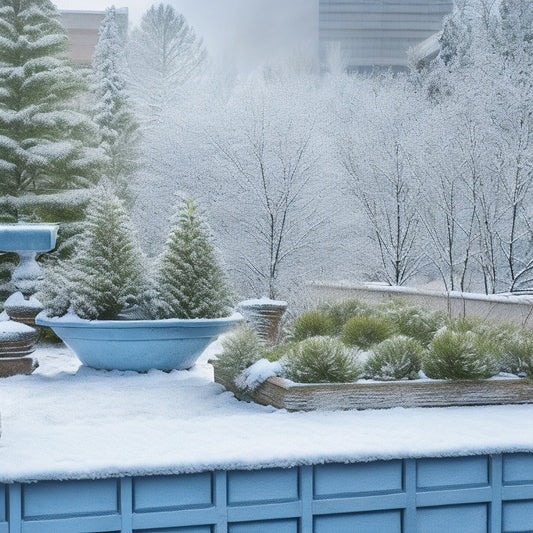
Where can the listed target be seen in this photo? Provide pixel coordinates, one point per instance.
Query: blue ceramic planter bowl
(138, 344)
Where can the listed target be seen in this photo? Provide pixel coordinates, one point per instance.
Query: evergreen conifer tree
(113, 110)
(105, 275)
(190, 280)
(46, 142)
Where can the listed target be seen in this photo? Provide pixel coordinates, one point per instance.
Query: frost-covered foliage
(341, 312)
(320, 360)
(113, 109)
(105, 276)
(420, 324)
(46, 141)
(190, 280)
(164, 53)
(430, 173)
(458, 355)
(266, 152)
(311, 324)
(240, 350)
(364, 331)
(396, 358)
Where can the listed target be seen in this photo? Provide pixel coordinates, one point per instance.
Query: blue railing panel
(517, 517)
(51, 499)
(339, 480)
(262, 486)
(434, 474)
(165, 493)
(517, 469)
(453, 519)
(377, 522)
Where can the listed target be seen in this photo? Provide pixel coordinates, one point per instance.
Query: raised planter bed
(285, 394)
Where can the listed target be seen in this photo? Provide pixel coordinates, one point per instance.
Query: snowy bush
(311, 324)
(363, 331)
(396, 358)
(516, 354)
(190, 281)
(239, 351)
(341, 312)
(415, 322)
(320, 360)
(458, 355)
(106, 273)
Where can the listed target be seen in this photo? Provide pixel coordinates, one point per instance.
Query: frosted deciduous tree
(374, 147)
(190, 280)
(267, 168)
(164, 53)
(113, 110)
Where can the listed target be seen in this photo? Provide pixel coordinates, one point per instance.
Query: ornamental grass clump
(341, 312)
(239, 351)
(399, 357)
(311, 324)
(321, 360)
(364, 331)
(459, 355)
(414, 322)
(516, 354)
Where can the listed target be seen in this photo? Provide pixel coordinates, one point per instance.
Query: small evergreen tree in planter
(190, 281)
(105, 281)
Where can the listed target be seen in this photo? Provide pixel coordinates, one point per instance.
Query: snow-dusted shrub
(240, 350)
(458, 355)
(321, 360)
(516, 354)
(190, 281)
(341, 312)
(311, 324)
(414, 322)
(106, 274)
(363, 331)
(399, 357)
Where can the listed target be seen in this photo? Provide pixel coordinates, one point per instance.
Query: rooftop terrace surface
(68, 421)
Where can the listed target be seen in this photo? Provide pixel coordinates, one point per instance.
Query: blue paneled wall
(479, 494)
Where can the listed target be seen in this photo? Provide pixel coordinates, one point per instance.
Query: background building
(82, 28)
(378, 33)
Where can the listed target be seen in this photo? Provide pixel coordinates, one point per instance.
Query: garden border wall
(498, 307)
(438, 495)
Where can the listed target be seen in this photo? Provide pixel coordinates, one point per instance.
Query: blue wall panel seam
(306, 491)
(126, 504)
(220, 500)
(496, 479)
(409, 486)
(15, 508)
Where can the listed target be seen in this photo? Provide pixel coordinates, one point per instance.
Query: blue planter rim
(70, 321)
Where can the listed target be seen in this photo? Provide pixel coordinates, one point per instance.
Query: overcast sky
(248, 31)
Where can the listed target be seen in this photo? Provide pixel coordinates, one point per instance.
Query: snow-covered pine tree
(106, 273)
(190, 281)
(113, 112)
(46, 142)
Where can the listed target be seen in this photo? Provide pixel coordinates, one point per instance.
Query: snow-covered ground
(67, 421)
